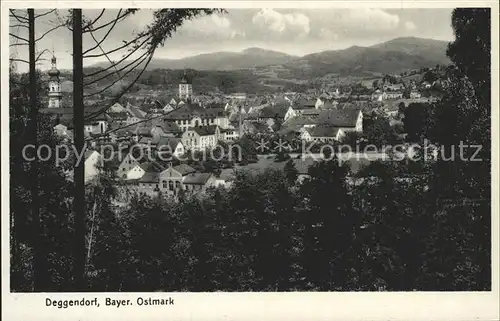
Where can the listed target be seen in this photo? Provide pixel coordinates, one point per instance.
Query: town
(250, 150)
(187, 123)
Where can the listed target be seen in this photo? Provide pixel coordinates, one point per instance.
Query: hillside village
(188, 123)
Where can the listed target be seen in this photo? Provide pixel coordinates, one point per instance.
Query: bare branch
(98, 43)
(117, 63)
(116, 71)
(18, 38)
(95, 20)
(20, 19)
(121, 47)
(115, 100)
(19, 60)
(40, 54)
(45, 13)
(121, 78)
(48, 31)
(126, 126)
(118, 18)
(18, 44)
(19, 26)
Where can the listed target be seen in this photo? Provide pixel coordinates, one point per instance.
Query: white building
(55, 92)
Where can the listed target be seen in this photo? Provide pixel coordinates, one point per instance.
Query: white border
(260, 306)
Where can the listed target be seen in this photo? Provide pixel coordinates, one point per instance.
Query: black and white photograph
(223, 149)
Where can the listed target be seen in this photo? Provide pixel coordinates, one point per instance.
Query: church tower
(185, 88)
(55, 94)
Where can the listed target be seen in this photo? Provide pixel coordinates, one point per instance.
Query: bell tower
(185, 88)
(55, 94)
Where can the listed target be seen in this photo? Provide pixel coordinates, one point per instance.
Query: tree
(471, 50)
(380, 133)
(328, 224)
(401, 107)
(430, 76)
(291, 172)
(415, 121)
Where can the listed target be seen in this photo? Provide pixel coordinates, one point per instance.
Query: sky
(293, 31)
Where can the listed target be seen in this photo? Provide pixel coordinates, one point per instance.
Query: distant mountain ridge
(393, 56)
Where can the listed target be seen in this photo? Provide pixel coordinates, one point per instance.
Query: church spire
(185, 88)
(55, 94)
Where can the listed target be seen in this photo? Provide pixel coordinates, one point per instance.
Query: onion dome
(184, 79)
(54, 72)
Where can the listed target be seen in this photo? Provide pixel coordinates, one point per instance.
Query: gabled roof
(89, 153)
(304, 104)
(189, 110)
(152, 167)
(150, 177)
(196, 178)
(296, 123)
(184, 169)
(135, 112)
(117, 108)
(323, 131)
(273, 112)
(310, 112)
(172, 142)
(339, 117)
(205, 130)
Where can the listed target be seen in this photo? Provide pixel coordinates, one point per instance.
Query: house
(226, 178)
(295, 124)
(191, 115)
(393, 95)
(378, 95)
(61, 130)
(128, 163)
(322, 133)
(415, 94)
(170, 145)
(394, 87)
(98, 124)
(238, 96)
(200, 138)
(345, 119)
(290, 113)
(230, 134)
(135, 172)
(276, 113)
(168, 108)
(149, 183)
(308, 104)
(92, 164)
(172, 178)
(425, 85)
(117, 108)
(251, 127)
(134, 115)
(198, 182)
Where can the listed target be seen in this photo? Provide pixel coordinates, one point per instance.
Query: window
(165, 184)
(177, 184)
(170, 185)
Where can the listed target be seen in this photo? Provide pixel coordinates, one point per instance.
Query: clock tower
(185, 88)
(55, 94)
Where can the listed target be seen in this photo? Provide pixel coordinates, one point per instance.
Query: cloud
(281, 25)
(328, 34)
(410, 25)
(367, 19)
(216, 26)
